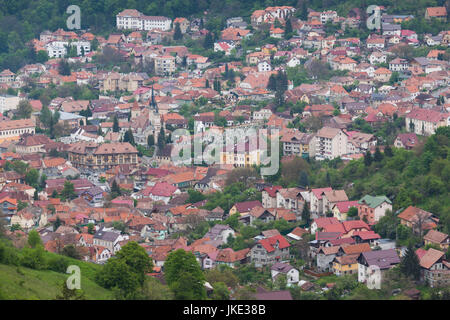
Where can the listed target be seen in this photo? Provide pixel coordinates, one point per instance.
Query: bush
(58, 264)
(33, 258)
(8, 254)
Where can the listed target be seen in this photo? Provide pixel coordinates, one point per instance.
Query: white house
(279, 268)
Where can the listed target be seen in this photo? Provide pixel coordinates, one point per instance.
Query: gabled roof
(384, 259)
(374, 202)
(430, 257)
(435, 236)
(270, 243)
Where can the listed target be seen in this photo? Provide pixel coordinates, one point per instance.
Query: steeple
(153, 102)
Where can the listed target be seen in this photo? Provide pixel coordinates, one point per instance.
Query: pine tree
(208, 43)
(177, 35)
(410, 264)
(303, 181)
(306, 216)
(377, 156)
(151, 140)
(388, 151)
(115, 190)
(207, 83)
(116, 124)
(367, 159)
(161, 138)
(129, 137)
(272, 84)
(288, 29)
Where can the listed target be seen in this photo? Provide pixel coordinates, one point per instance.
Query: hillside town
(92, 158)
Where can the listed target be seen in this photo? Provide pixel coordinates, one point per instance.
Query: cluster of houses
(94, 156)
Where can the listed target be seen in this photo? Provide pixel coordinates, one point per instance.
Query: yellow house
(340, 209)
(345, 265)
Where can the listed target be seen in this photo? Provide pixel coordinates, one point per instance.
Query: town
(356, 122)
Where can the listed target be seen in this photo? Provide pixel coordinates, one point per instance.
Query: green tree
(128, 137)
(177, 35)
(208, 42)
(221, 291)
(117, 275)
(24, 110)
(409, 265)
(352, 212)
(184, 276)
(115, 190)
(57, 224)
(64, 68)
(115, 124)
(34, 239)
(68, 192)
(367, 159)
(91, 228)
(21, 205)
(137, 259)
(32, 178)
(45, 116)
(70, 294)
(306, 216)
(151, 140)
(288, 30)
(388, 151)
(377, 157)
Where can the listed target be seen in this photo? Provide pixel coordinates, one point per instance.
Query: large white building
(330, 143)
(425, 122)
(132, 19)
(8, 102)
(58, 49)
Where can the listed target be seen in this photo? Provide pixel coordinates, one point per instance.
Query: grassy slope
(42, 285)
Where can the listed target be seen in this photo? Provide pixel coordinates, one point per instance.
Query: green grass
(19, 283)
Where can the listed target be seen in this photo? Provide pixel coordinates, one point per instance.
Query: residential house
(269, 251)
(434, 237)
(372, 266)
(372, 209)
(417, 219)
(406, 141)
(435, 270)
(291, 274)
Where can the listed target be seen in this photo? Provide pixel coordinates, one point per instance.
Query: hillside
(28, 284)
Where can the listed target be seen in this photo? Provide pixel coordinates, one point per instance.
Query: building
(298, 143)
(330, 143)
(104, 156)
(164, 65)
(406, 141)
(269, 251)
(183, 22)
(434, 237)
(371, 208)
(417, 219)
(58, 49)
(435, 270)
(373, 264)
(398, 65)
(270, 14)
(279, 268)
(425, 122)
(13, 129)
(6, 76)
(8, 102)
(436, 12)
(131, 19)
